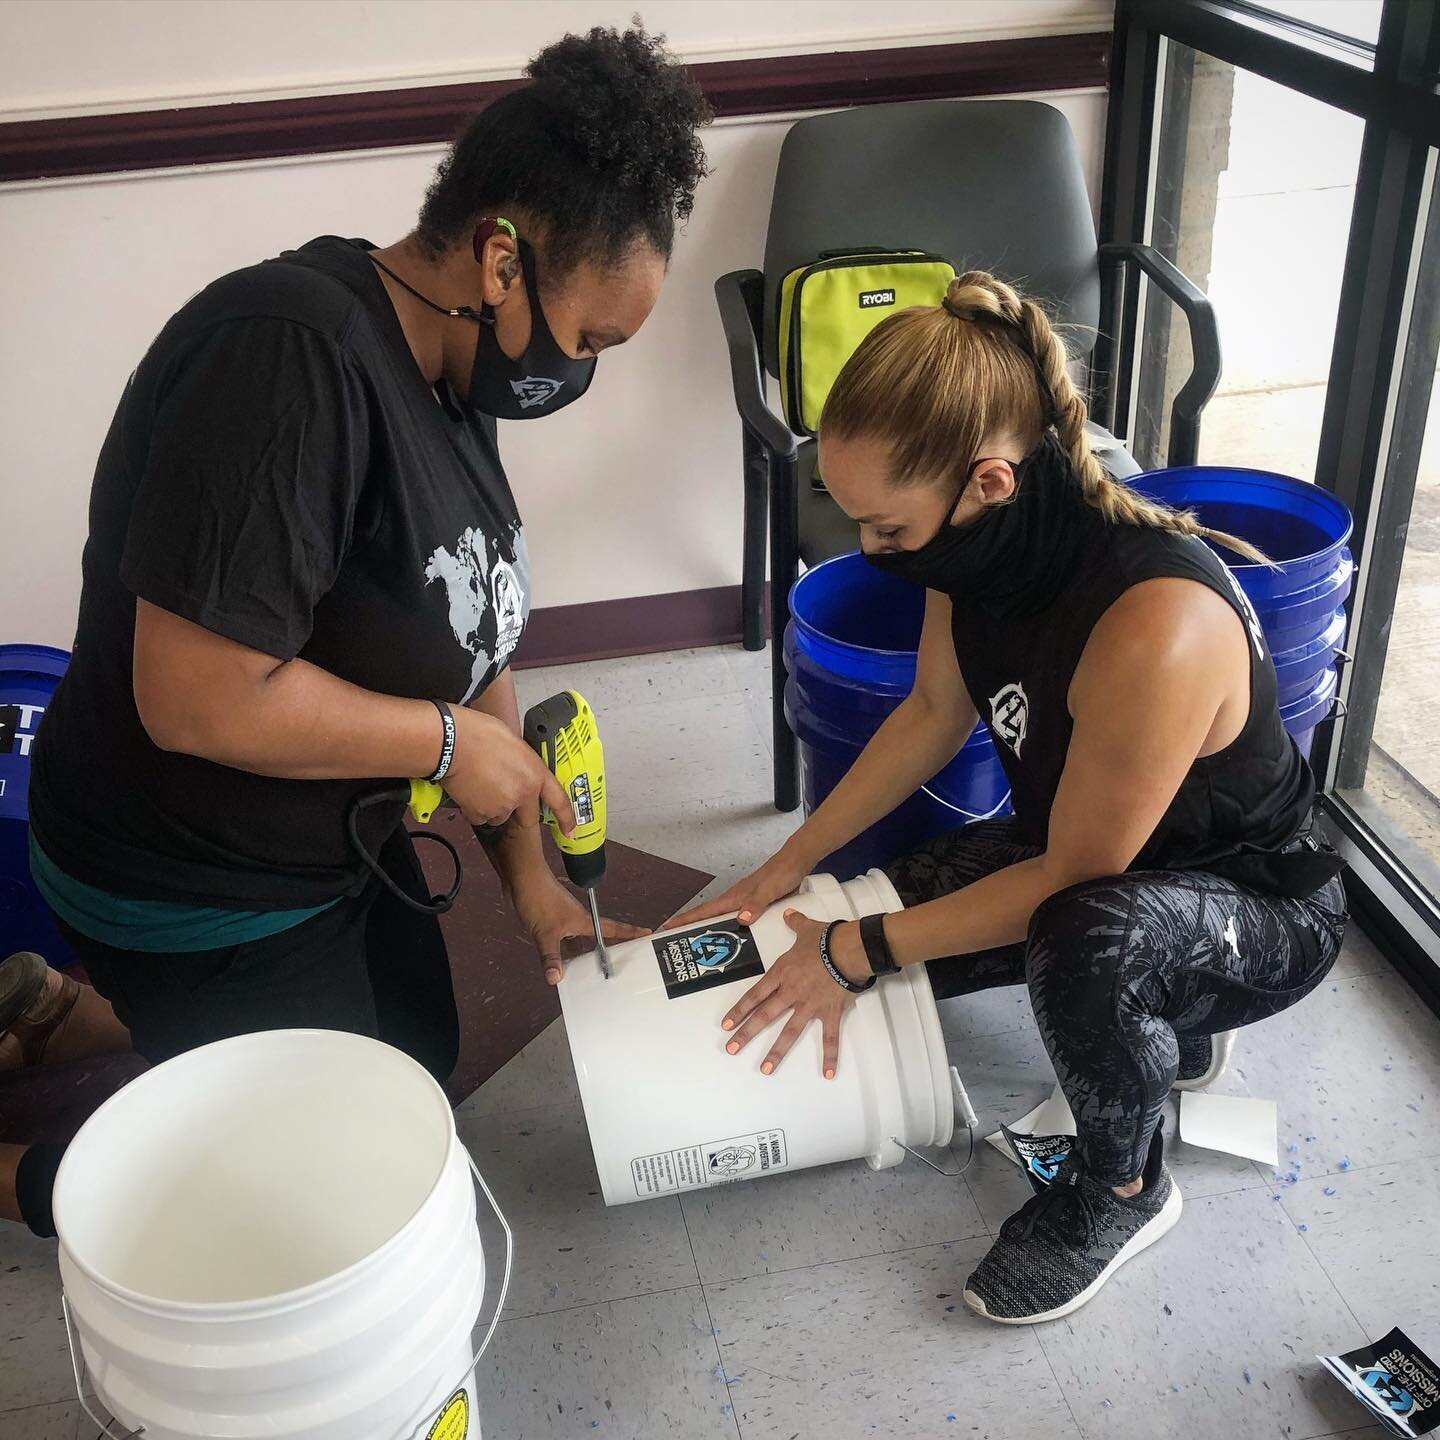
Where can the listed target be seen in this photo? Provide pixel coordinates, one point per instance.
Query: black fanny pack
(1295, 871)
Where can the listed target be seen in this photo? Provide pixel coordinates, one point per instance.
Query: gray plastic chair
(989, 184)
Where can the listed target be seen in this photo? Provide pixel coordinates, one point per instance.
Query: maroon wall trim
(319, 124)
(431, 114)
(641, 625)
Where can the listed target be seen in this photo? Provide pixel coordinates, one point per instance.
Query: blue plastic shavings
(1302, 1226)
(1329, 1189)
(594, 1424)
(1343, 1162)
(1107, 1404)
(1292, 1147)
(949, 1309)
(1249, 1378)
(1176, 1389)
(952, 1417)
(1411, 1105)
(1309, 1139)
(727, 1408)
(1387, 1066)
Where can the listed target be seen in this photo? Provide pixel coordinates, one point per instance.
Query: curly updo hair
(599, 150)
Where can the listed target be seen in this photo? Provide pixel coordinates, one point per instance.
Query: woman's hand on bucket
(799, 983)
(778, 877)
(552, 915)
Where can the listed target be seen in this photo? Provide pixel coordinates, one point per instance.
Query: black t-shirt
(278, 471)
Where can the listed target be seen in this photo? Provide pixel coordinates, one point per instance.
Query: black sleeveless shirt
(1043, 577)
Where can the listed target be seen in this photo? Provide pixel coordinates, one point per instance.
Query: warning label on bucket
(454, 1421)
(743, 1157)
(707, 955)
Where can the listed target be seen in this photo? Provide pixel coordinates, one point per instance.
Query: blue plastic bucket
(1298, 525)
(1303, 715)
(28, 677)
(1300, 668)
(850, 650)
(1300, 601)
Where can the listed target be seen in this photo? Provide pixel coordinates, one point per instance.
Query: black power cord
(439, 904)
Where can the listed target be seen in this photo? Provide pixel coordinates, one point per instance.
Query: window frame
(1387, 333)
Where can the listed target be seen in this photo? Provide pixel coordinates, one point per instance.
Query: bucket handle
(464, 1378)
(79, 1369)
(961, 810)
(966, 1113)
(77, 1354)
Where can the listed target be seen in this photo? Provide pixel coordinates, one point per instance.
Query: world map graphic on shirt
(486, 583)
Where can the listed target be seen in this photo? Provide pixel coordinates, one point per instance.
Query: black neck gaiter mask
(1016, 557)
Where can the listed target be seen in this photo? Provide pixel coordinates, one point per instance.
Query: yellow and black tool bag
(829, 306)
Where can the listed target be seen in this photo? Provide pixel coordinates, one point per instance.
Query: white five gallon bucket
(274, 1236)
(670, 1110)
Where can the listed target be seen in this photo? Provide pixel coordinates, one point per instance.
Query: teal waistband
(162, 926)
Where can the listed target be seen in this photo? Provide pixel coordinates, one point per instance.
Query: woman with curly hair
(306, 574)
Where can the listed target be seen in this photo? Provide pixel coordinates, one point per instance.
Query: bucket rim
(1324, 500)
(1330, 638)
(21, 657)
(801, 624)
(218, 1311)
(1321, 694)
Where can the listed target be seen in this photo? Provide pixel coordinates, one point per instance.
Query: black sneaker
(1203, 1059)
(1056, 1252)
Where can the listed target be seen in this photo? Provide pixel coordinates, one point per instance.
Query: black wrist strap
(447, 745)
(836, 974)
(877, 947)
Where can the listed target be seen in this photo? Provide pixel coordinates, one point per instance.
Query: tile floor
(819, 1304)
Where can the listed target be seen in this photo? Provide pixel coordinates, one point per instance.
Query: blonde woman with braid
(1158, 885)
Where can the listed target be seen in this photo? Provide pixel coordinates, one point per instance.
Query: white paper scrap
(1050, 1117)
(1234, 1124)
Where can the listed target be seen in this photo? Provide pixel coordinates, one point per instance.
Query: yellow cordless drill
(564, 734)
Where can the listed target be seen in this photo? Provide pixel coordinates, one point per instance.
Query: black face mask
(543, 380)
(1015, 557)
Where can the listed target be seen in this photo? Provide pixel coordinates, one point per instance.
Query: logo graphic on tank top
(1231, 938)
(1252, 620)
(1010, 715)
(535, 390)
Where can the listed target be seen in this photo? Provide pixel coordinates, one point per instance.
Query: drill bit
(605, 967)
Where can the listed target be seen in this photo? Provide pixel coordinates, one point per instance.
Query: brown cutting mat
(501, 990)
(503, 998)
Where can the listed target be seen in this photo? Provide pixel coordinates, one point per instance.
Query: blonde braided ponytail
(977, 295)
(935, 391)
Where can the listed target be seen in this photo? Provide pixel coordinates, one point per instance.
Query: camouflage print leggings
(1118, 967)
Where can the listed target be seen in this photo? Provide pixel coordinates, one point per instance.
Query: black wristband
(877, 947)
(836, 974)
(447, 745)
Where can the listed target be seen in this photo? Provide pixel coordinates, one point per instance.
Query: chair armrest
(1204, 341)
(740, 296)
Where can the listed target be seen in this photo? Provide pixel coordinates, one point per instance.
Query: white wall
(62, 55)
(634, 491)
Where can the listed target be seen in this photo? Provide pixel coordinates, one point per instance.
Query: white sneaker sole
(1142, 1239)
(1220, 1047)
